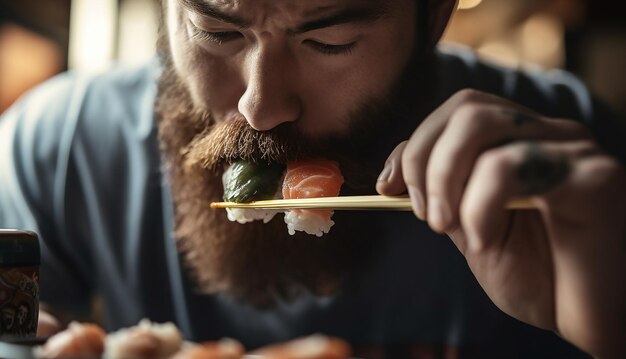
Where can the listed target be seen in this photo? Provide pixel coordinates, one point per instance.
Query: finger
(47, 325)
(417, 150)
(584, 219)
(517, 169)
(391, 181)
(587, 236)
(473, 129)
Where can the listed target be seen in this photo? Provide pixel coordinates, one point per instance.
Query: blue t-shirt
(79, 164)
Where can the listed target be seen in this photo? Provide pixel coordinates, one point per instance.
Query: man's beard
(256, 262)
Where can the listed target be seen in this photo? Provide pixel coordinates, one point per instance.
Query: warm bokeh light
(26, 59)
(468, 4)
(501, 51)
(92, 34)
(138, 29)
(542, 40)
(512, 32)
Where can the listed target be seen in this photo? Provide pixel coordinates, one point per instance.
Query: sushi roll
(78, 341)
(245, 182)
(146, 340)
(311, 179)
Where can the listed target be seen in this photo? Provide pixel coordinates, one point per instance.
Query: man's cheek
(212, 84)
(199, 80)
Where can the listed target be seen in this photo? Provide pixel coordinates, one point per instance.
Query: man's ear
(439, 13)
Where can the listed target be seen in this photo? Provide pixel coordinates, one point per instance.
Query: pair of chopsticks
(373, 203)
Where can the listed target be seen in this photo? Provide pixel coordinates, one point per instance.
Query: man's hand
(47, 325)
(560, 267)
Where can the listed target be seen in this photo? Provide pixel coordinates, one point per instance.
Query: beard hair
(259, 263)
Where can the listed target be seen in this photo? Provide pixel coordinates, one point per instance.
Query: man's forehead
(320, 7)
(307, 8)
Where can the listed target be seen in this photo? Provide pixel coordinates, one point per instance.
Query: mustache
(234, 139)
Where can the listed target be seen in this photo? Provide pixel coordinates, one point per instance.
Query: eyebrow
(344, 16)
(364, 14)
(203, 8)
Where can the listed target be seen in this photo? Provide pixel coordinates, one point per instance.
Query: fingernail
(417, 201)
(438, 215)
(385, 173)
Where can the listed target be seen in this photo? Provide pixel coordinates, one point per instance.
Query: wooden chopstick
(374, 202)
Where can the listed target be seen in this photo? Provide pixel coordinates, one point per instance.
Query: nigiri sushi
(245, 182)
(222, 349)
(311, 347)
(78, 341)
(146, 340)
(311, 179)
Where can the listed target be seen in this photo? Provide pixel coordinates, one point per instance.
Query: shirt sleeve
(35, 138)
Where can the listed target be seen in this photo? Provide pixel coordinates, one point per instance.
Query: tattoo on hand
(540, 171)
(520, 118)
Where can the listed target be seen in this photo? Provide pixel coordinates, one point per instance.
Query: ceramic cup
(19, 283)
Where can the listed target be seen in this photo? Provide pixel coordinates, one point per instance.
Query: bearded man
(116, 172)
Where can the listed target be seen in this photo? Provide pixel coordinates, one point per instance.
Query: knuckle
(409, 157)
(400, 147)
(599, 181)
(468, 212)
(439, 174)
(468, 95)
(578, 129)
(410, 162)
(470, 116)
(397, 152)
(605, 170)
(496, 160)
(585, 148)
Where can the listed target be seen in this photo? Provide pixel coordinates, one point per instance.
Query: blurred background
(39, 39)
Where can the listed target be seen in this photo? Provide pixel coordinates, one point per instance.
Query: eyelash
(217, 37)
(221, 37)
(326, 49)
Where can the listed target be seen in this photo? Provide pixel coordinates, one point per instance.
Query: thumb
(391, 181)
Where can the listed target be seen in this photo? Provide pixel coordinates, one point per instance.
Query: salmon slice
(223, 349)
(313, 347)
(311, 179)
(79, 340)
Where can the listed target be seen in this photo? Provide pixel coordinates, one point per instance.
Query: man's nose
(270, 98)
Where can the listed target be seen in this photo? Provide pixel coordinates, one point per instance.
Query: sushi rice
(311, 223)
(307, 221)
(245, 215)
